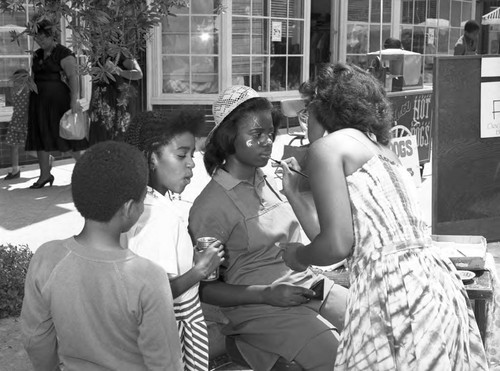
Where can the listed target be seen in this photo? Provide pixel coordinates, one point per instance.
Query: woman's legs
(14, 157)
(320, 352)
(44, 163)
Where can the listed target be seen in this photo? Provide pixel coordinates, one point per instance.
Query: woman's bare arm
(68, 65)
(331, 197)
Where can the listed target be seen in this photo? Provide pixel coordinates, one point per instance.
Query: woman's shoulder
(335, 143)
(213, 193)
(62, 51)
(348, 146)
(37, 54)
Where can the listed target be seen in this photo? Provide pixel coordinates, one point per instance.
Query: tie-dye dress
(407, 309)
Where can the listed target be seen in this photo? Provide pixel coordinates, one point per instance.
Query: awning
(492, 17)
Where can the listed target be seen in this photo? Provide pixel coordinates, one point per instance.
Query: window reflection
(432, 27)
(190, 48)
(278, 73)
(12, 54)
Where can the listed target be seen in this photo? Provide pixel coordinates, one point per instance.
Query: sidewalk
(35, 216)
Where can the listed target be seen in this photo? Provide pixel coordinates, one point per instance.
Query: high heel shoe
(37, 185)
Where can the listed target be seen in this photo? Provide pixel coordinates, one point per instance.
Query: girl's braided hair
(149, 131)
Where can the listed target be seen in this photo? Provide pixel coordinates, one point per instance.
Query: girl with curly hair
(167, 140)
(407, 308)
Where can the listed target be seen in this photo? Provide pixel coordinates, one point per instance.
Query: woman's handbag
(73, 126)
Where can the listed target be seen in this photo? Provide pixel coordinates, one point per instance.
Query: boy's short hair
(106, 176)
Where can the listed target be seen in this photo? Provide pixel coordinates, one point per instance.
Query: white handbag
(73, 126)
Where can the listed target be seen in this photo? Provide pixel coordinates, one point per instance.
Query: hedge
(14, 261)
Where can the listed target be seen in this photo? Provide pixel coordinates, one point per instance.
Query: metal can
(203, 243)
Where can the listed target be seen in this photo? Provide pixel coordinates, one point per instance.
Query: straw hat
(229, 99)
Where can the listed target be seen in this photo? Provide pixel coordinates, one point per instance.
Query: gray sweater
(94, 310)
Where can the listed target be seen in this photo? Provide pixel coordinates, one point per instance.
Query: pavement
(34, 216)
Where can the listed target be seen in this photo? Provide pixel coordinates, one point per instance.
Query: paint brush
(295, 171)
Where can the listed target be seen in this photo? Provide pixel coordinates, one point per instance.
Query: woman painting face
(254, 142)
(172, 166)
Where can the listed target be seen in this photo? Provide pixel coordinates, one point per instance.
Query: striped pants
(193, 334)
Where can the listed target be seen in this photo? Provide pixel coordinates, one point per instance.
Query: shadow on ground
(32, 206)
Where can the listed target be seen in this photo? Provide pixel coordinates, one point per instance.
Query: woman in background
(113, 103)
(53, 64)
(16, 132)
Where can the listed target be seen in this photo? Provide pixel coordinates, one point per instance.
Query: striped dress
(407, 309)
(193, 334)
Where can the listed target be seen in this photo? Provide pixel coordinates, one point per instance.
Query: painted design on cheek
(251, 143)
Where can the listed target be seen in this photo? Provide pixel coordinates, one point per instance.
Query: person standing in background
(112, 104)
(467, 43)
(16, 133)
(53, 65)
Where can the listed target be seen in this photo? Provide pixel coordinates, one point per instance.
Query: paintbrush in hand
(295, 171)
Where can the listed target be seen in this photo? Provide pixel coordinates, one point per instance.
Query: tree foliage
(14, 262)
(101, 29)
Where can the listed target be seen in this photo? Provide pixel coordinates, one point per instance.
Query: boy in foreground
(89, 304)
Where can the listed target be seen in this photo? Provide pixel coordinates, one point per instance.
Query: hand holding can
(210, 255)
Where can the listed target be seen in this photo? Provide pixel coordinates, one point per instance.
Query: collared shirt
(161, 235)
(250, 220)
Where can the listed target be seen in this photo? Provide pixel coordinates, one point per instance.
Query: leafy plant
(101, 29)
(14, 262)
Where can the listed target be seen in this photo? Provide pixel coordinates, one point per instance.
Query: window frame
(396, 25)
(85, 80)
(154, 67)
(6, 112)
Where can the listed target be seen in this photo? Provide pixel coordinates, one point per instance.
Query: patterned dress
(18, 127)
(407, 309)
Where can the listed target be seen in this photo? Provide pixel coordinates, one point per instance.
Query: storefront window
(265, 48)
(432, 27)
(190, 50)
(12, 55)
(363, 28)
(258, 43)
(428, 27)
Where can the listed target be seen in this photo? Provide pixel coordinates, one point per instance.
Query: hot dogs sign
(415, 112)
(412, 131)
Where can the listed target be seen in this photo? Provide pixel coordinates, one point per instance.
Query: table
(480, 290)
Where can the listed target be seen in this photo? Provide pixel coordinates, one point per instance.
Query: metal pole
(381, 21)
